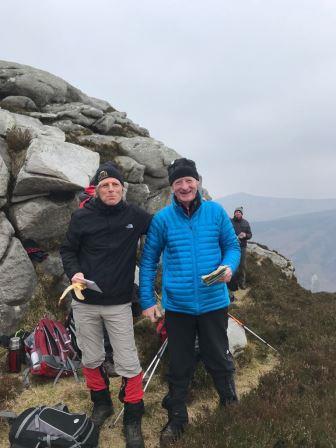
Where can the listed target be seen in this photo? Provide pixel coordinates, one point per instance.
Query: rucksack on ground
(50, 352)
(52, 427)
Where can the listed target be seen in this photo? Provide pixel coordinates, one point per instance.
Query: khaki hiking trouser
(118, 321)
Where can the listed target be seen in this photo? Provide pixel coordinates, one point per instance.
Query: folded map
(214, 276)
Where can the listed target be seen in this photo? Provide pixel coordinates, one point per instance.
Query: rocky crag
(52, 139)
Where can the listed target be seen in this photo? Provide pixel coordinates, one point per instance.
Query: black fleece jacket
(101, 242)
(241, 225)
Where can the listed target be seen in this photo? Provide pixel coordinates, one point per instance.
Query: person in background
(195, 237)
(243, 232)
(101, 245)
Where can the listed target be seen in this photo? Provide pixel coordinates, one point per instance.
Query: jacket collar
(194, 206)
(108, 209)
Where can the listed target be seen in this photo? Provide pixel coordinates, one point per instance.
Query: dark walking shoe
(133, 435)
(102, 406)
(132, 425)
(171, 433)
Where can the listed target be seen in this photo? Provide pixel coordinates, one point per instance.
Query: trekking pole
(159, 356)
(156, 357)
(252, 332)
(154, 362)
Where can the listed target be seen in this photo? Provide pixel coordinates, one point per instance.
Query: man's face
(110, 191)
(185, 189)
(238, 215)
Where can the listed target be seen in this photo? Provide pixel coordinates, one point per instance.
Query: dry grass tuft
(18, 139)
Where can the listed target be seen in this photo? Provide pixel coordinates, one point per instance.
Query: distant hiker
(243, 232)
(101, 245)
(196, 237)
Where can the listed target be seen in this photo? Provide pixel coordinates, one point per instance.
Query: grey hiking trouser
(118, 321)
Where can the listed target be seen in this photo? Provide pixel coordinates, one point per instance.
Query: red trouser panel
(131, 390)
(96, 379)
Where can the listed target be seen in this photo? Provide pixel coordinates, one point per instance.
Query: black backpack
(53, 427)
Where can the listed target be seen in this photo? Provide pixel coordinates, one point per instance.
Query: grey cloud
(247, 88)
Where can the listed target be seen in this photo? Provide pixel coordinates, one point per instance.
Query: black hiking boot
(171, 433)
(102, 406)
(229, 395)
(132, 424)
(177, 420)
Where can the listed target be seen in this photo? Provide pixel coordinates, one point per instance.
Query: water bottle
(14, 355)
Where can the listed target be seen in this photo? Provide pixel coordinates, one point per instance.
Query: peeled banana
(77, 288)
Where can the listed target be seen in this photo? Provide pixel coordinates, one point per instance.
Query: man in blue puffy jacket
(195, 237)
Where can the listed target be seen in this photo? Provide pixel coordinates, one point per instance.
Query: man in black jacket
(101, 245)
(243, 232)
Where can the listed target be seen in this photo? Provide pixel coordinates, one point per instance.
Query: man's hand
(153, 313)
(226, 277)
(242, 235)
(78, 278)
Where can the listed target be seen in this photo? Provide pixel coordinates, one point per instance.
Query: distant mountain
(261, 208)
(309, 241)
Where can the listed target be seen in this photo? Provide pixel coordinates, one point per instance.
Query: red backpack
(50, 352)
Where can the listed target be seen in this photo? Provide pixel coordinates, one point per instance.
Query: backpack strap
(52, 328)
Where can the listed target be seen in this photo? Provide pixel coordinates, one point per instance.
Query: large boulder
(43, 220)
(17, 278)
(106, 146)
(13, 122)
(10, 317)
(17, 275)
(132, 170)
(40, 86)
(4, 152)
(159, 200)
(149, 152)
(18, 103)
(277, 259)
(6, 233)
(52, 165)
(7, 121)
(137, 194)
(156, 183)
(117, 123)
(4, 179)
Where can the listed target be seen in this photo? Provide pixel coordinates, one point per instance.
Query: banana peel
(77, 288)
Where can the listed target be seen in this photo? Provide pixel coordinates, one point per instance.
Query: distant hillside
(309, 241)
(261, 208)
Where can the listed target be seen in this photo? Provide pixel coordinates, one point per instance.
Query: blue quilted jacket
(192, 247)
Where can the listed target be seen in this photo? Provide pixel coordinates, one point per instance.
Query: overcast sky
(247, 88)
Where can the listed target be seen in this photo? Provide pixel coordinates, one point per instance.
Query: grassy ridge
(295, 405)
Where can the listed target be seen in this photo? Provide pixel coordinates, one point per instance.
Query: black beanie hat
(107, 169)
(239, 209)
(182, 168)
